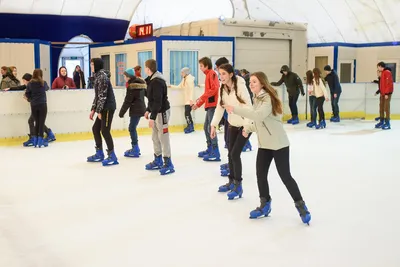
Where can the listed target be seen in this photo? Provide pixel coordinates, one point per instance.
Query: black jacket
(157, 94)
(104, 98)
(36, 92)
(333, 81)
(134, 99)
(292, 82)
(78, 79)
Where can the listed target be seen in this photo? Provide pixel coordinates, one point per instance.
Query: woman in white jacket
(187, 84)
(321, 94)
(273, 144)
(232, 93)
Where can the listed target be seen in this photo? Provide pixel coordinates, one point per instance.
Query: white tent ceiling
(354, 21)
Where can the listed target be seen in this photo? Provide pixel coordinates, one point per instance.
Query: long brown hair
(37, 76)
(229, 69)
(310, 77)
(317, 75)
(275, 101)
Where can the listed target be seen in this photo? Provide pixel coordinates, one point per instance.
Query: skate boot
(168, 167)
(226, 187)
(201, 154)
(133, 153)
(386, 126)
(321, 125)
(247, 147)
(29, 142)
(303, 211)
(41, 142)
(380, 124)
(225, 172)
(111, 159)
(237, 190)
(295, 120)
(224, 166)
(263, 210)
(377, 118)
(189, 129)
(35, 141)
(156, 164)
(335, 119)
(289, 121)
(213, 155)
(311, 124)
(98, 157)
(50, 136)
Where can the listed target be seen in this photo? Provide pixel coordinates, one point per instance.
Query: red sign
(145, 30)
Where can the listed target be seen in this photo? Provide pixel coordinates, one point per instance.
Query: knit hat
(130, 73)
(328, 68)
(27, 77)
(185, 70)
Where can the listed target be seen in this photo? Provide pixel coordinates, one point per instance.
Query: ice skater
(386, 91)
(266, 115)
(104, 105)
(321, 94)
(312, 99)
(336, 90)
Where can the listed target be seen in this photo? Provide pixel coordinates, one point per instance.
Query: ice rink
(58, 210)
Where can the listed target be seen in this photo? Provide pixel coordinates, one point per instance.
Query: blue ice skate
(189, 129)
(303, 212)
(377, 118)
(133, 153)
(168, 167)
(380, 124)
(295, 120)
(111, 159)
(98, 157)
(289, 121)
(386, 125)
(50, 136)
(247, 146)
(213, 155)
(224, 166)
(156, 164)
(335, 119)
(225, 172)
(41, 142)
(201, 154)
(226, 187)
(29, 142)
(237, 191)
(321, 125)
(263, 210)
(311, 124)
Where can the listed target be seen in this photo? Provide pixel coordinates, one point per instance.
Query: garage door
(262, 55)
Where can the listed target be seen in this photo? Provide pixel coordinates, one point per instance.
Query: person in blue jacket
(336, 90)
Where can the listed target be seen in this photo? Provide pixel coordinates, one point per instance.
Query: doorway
(71, 62)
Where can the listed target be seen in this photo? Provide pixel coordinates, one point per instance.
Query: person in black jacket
(294, 86)
(134, 101)
(158, 113)
(36, 95)
(104, 105)
(336, 90)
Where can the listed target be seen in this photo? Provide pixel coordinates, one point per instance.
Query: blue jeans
(132, 130)
(335, 105)
(313, 108)
(207, 128)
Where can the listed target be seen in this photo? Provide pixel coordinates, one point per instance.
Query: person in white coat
(273, 144)
(235, 93)
(321, 94)
(187, 84)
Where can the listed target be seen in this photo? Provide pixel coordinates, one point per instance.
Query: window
(106, 62)
(345, 72)
(143, 57)
(181, 59)
(392, 66)
(120, 67)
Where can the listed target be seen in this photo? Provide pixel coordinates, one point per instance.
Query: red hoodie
(210, 96)
(61, 81)
(386, 82)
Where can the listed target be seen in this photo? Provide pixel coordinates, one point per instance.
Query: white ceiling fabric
(353, 21)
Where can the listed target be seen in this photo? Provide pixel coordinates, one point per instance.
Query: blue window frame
(181, 59)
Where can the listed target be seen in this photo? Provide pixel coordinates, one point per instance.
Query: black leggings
(39, 113)
(281, 158)
(31, 123)
(103, 126)
(320, 105)
(235, 146)
(188, 116)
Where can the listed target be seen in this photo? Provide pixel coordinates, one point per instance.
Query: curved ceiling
(353, 21)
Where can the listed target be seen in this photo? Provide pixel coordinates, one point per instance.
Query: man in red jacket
(210, 99)
(386, 90)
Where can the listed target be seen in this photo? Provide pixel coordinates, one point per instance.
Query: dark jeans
(207, 128)
(31, 123)
(188, 115)
(313, 108)
(133, 129)
(335, 105)
(293, 104)
(103, 127)
(281, 158)
(39, 113)
(235, 146)
(226, 132)
(320, 105)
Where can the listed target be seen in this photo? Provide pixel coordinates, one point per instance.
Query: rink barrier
(68, 112)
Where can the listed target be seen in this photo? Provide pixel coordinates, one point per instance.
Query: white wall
(45, 62)
(319, 52)
(20, 55)
(130, 49)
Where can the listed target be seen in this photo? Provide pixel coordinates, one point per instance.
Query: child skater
(321, 94)
(235, 94)
(104, 105)
(187, 84)
(210, 99)
(36, 95)
(158, 113)
(134, 101)
(312, 98)
(266, 115)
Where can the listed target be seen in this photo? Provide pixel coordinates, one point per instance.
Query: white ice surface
(57, 210)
